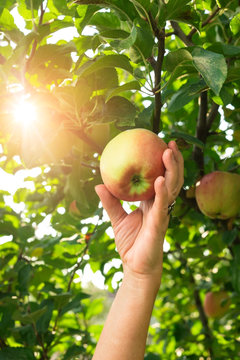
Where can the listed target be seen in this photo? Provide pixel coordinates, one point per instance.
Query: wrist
(142, 283)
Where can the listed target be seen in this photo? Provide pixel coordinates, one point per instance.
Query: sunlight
(25, 112)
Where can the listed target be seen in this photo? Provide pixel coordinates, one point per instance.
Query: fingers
(174, 173)
(111, 204)
(159, 211)
(179, 159)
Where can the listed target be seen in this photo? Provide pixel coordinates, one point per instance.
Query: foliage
(169, 66)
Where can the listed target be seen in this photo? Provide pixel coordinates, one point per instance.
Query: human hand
(139, 235)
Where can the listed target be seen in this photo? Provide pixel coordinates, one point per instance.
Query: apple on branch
(131, 162)
(73, 209)
(216, 304)
(218, 194)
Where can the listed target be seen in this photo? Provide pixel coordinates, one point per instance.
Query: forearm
(125, 331)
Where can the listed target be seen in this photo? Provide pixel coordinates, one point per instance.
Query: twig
(41, 343)
(78, 265)
(97, 168)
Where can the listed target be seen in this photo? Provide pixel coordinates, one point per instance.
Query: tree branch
(157, 67)
(34, 47)
(178, 31)
(2, 343)
(83, 136)
(198, 303)
(207, 21)
(211, 116)
(157, 86)
(201, 131)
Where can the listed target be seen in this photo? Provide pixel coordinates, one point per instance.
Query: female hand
(139, 235)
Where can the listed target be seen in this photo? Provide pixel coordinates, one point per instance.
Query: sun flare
(25, 112)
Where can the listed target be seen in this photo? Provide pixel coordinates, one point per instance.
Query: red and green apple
(131, 162)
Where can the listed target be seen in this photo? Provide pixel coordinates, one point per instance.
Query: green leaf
(225, 49)
(13, 353)
(25, 232)
(53, 55)
(102, 79)
(29, 318)
(75, 304)
(175, 8)
(42, 323)
(188, 138)
(48, 29)
(125, 10)
(73, 351)
(62, 7)
(84, 14)
(235, 24)
(235, 271)
(186, 93)
(7, 21)
(8, 4)
(184, 70)
(212, 67)
(61, 300)
(128, 41)
(101, 62)
(178, 10)
(80, 186)
(145, 118)
(132, 85)
(144, 43)
(233, 74)
(24, 277)
(125, 117)
(174, 58)
(94, 308)
(105, 20)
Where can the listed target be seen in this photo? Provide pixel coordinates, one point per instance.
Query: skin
(139, 239)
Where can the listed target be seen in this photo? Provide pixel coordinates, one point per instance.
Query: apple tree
(170, 66)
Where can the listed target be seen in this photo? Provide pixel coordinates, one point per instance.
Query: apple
(218, 194)
(216, 304)
(131, 162)
(73, 209)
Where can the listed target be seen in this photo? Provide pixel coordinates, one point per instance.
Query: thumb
(110, 203)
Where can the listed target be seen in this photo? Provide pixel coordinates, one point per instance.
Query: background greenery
(169, 66)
